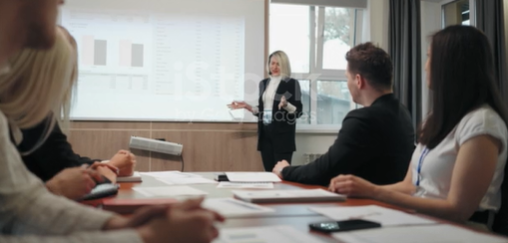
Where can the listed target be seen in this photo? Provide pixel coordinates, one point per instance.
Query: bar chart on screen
(94, 52)
(114, 42)
(131, 54)
(112, 50)
(198, 59)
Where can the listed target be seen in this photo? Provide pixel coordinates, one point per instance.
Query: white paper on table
(252, 177)
(186, 181)
(417, 234)
(268, 234)
(252, 185)
(384, 216)
(296, 195)
(174, 174)
(169, 191)
(230, 207)
(135, 177)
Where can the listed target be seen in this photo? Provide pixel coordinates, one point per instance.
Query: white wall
(311, 143)
(378, 19)
(452, 13)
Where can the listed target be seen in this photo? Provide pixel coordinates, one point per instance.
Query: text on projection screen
(165, 60)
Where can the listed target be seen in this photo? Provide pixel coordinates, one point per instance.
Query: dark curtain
(490, 19)
(405, 50)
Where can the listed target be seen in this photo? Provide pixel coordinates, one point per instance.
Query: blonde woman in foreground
(32, 85)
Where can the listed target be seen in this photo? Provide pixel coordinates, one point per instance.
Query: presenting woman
(279, 106)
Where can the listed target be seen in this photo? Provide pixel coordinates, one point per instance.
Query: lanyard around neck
(420, 162)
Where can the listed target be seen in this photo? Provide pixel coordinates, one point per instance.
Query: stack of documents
(136, 177)
(128, 206)
(169, 191)
(179, 178)
(230, 207)
(384, 216)
(243, 185)
(269, 234)
(252, 177)
(276, 196)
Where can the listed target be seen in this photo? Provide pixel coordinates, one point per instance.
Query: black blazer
(53, 156)
(284, 123)
(375, 143)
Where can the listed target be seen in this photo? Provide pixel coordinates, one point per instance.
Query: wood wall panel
(207, 146)
(103, 144)
(205, 126)
(111, 125)
(215, 150)
(161, 162)
(142, 159)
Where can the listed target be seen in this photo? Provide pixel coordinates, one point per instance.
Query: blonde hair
(285, 67)
(65, 109)
(37, 85)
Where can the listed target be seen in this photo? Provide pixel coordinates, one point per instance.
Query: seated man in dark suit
(376, 142)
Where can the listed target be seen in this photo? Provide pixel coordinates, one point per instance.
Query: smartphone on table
(345, 225)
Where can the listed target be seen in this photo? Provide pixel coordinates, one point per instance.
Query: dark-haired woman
(458, 167)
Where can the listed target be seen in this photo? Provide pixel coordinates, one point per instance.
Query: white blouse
(437, 166)
(268, 97)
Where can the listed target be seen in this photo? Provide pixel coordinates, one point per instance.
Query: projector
(156, 146)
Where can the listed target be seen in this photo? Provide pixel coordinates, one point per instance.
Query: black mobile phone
(221, 177)
(346, 225)
(101, 191)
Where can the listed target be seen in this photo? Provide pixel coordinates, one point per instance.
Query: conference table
(296, 215)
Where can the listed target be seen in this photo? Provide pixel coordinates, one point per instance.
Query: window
(305, 87)
(338, 37)
(457, 12)
(334, 101)
(466, 20)
(289, 32)
(316, 39)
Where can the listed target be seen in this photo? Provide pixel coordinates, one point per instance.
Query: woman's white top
(268, 98)
(437, 165)
(270, 91)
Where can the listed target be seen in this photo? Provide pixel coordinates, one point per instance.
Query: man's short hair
(373, 63)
